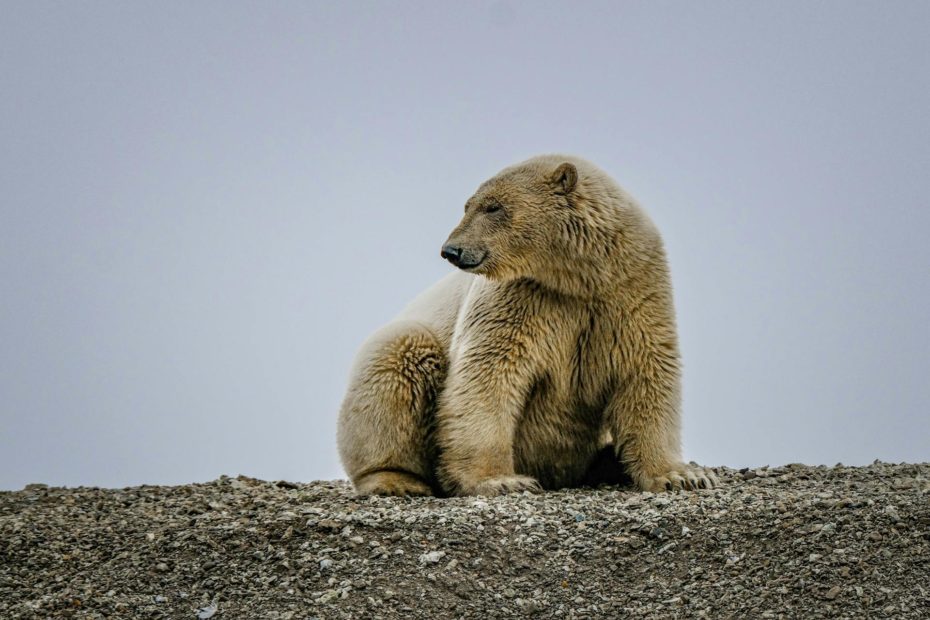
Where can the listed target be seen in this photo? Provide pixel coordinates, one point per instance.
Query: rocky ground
(792, 542)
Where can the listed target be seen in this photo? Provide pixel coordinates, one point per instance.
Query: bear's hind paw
(501, 485)
(392, 483)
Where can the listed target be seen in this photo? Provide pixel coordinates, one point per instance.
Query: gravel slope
(793, 541)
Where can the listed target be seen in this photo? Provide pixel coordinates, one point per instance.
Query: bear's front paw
(501, 485)
(675, 477)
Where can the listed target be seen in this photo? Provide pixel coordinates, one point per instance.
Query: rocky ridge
(772, 542)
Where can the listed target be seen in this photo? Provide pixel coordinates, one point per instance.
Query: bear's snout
(452, 254)
(463, 258)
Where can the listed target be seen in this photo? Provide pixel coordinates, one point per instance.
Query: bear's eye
(492, 208)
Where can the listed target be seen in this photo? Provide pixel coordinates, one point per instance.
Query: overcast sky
(206, 207)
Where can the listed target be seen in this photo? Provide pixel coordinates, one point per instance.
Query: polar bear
(553, 339)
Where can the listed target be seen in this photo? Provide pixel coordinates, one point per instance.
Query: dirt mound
(793, 541)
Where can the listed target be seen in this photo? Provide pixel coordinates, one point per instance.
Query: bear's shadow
(606, 469)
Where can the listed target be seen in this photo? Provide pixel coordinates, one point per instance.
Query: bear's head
(553, 219)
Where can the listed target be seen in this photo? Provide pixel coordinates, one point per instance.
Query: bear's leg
(476, 420)
(385, 424)
(645, 426)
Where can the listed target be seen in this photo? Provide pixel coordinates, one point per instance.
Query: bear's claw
(678, 477)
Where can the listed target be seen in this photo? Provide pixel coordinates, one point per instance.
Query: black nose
(451, 254)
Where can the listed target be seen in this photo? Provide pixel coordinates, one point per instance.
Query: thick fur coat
(554, 338)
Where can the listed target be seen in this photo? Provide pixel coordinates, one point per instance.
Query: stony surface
(793, 541)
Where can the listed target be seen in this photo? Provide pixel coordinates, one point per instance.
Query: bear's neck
(603, 266)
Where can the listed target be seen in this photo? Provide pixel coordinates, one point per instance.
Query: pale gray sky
(205, 208)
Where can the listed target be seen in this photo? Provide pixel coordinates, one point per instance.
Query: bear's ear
(564, 178)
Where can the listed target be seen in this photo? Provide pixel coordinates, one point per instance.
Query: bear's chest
(592, 357)
(570, 343)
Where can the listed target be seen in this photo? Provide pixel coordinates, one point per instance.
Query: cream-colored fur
(556, 337)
